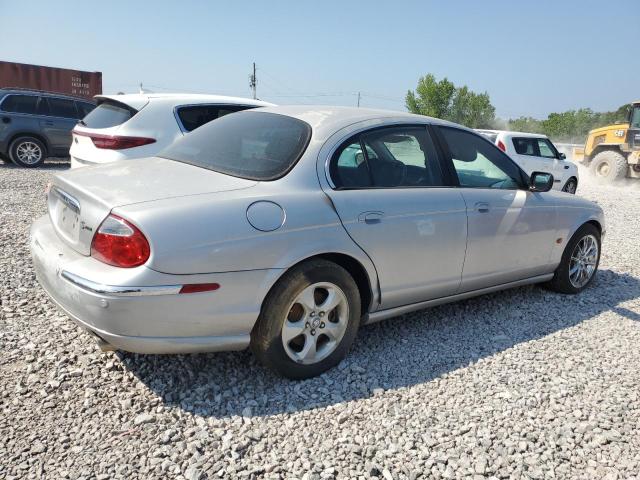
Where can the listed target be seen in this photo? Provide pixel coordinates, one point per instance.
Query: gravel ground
(520, 384)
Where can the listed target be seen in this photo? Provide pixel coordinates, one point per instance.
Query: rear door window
(108, 114)
(194, 116)
(394, 157)
(404, 157)
(525, 146)
(61, 107)
(20, 104)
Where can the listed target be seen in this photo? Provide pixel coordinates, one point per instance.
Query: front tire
(579, 263)
(571, 186)
(27, 152)
(609, 166)
(308, 321)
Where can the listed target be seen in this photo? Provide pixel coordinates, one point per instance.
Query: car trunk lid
(79, 200)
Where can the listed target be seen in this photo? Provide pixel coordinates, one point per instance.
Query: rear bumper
(139, 309)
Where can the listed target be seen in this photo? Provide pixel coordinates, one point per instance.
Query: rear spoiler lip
(100, 99)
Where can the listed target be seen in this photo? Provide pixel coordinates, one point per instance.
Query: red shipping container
(50, 79)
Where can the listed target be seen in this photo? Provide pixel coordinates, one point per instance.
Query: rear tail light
(120, 243)
(115, 142)
(502, 146)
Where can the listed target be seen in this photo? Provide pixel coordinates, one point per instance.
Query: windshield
(635, 117)
(249, 144)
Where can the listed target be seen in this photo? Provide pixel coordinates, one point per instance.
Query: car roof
(512, 133)
(32, 91)
(326, 120)
(136, 100)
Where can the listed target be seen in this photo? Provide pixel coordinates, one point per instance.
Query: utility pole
(358, 99)
(253, 82)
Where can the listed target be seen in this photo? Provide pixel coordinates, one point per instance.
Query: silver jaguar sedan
(286, 228)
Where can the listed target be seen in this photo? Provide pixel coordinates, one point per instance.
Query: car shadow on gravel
(394, 354)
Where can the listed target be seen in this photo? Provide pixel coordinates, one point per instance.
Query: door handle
(370, 217)
(482, 207)
(6, 120)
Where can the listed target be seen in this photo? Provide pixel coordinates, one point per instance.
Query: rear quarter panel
(210, 233)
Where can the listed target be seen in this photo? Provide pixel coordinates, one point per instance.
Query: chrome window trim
(118, 291)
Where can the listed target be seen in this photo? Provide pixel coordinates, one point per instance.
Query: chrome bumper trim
(118, 291)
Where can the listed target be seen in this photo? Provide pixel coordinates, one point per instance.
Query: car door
(526, 154)
(511, 230)
(60, 119)
(396, 202)
(18, 114)
(550, 158)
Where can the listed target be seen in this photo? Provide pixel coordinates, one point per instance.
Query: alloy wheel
(315, 324)
(29, 153)
(570, 187)
(583, 261)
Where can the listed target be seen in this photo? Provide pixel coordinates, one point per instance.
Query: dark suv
(35, 125)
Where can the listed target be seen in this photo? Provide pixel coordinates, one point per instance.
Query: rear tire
(308, 321)
(582, 252)
(27, 152)
(609, 165)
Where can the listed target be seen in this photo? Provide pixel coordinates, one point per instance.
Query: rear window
(251, 145)
(108, 114)
(20, 103)
(194, 116)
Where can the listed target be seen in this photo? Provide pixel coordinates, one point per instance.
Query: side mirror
(562, 156)
(540, 182)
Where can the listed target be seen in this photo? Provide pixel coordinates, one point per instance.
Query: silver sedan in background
(286, 228)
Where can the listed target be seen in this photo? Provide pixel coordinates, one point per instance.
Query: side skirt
(396, 311)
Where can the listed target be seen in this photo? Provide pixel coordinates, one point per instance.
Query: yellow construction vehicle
(613, 152)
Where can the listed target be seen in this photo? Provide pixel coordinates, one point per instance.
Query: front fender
(570, 219)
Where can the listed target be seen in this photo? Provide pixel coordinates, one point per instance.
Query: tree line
(442, 99)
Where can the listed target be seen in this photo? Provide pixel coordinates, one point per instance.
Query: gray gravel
(520, 384)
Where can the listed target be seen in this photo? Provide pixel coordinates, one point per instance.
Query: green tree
(442, 99)
(570, 126)
(525, 124)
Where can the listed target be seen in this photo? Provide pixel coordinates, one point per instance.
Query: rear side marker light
(115, 142)
(502, 146)
(199, 287)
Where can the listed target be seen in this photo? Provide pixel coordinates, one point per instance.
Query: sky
(532, 58)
